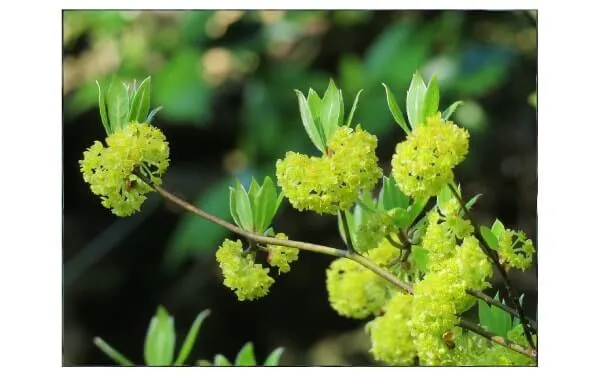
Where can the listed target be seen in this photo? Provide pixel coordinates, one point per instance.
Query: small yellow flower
(109, 170)
(423, 163)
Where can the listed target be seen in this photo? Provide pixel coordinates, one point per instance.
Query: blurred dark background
(225, 80)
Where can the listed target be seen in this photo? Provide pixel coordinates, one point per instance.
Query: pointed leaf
(253, 190)
(414, 100)
(152, 114)
(392, 196)
(354, 105)
(112, 352)
(419, 255)
(415, 210)
(330, 112)
(190, 339)
(140, 103)
(221, 361)
(279, 200)
(497, 228)
(450, 110)
(315, 103)
(243, 207)
(352, 224)
(444, 195)
(395, 109)
(341, 116)
(264, 206)
(489, 237)
(233, 206)
(472, 201)
(309, 123)
(117, 100)
(102, 108)
(160, 339)
(485, 314)
(245, 357)
(274, 358)
(431, 102)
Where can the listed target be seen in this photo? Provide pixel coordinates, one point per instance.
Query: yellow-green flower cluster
(109, 170)
(282, 256)
(354, 291)
(384, 253)
(373, 228)
(331, 182)
(423, 163)
(434, 312)
(515, 249)
(248, 280)
(474, 266)
(439, 241)
(451, 210)
(390, 333)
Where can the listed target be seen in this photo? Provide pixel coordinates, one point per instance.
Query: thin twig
(395, 243)
(494, 257)
(367, 263)
(530, 352)
(478, 294)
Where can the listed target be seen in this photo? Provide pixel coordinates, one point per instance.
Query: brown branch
(494, 258)
(530, 352)
(367, 263)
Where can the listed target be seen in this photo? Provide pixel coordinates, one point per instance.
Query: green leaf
(243, 208)
(152, 114)
(431, 101)
(444, 195)
(415, 210)
(233, 206)
(341, 116)
(315, 103)
(498, 228)
(392, 196)
(419, 255)
(190, 339)
(112, 352)
(204, 363)
(354, 105)
(489, 237)
(330, 111)
(472, 201)
(253, 190)
(265, 205)
(117, 99)
(486, 318)
(400, 216)
(245, 357)
(140, 103)
(395, 109)
(160, 339)
(102, 108)
(352, 224)
(450, 110)
(274, 358)
(309, 123)
(221, 360)
(502, 321)
(414, 100)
